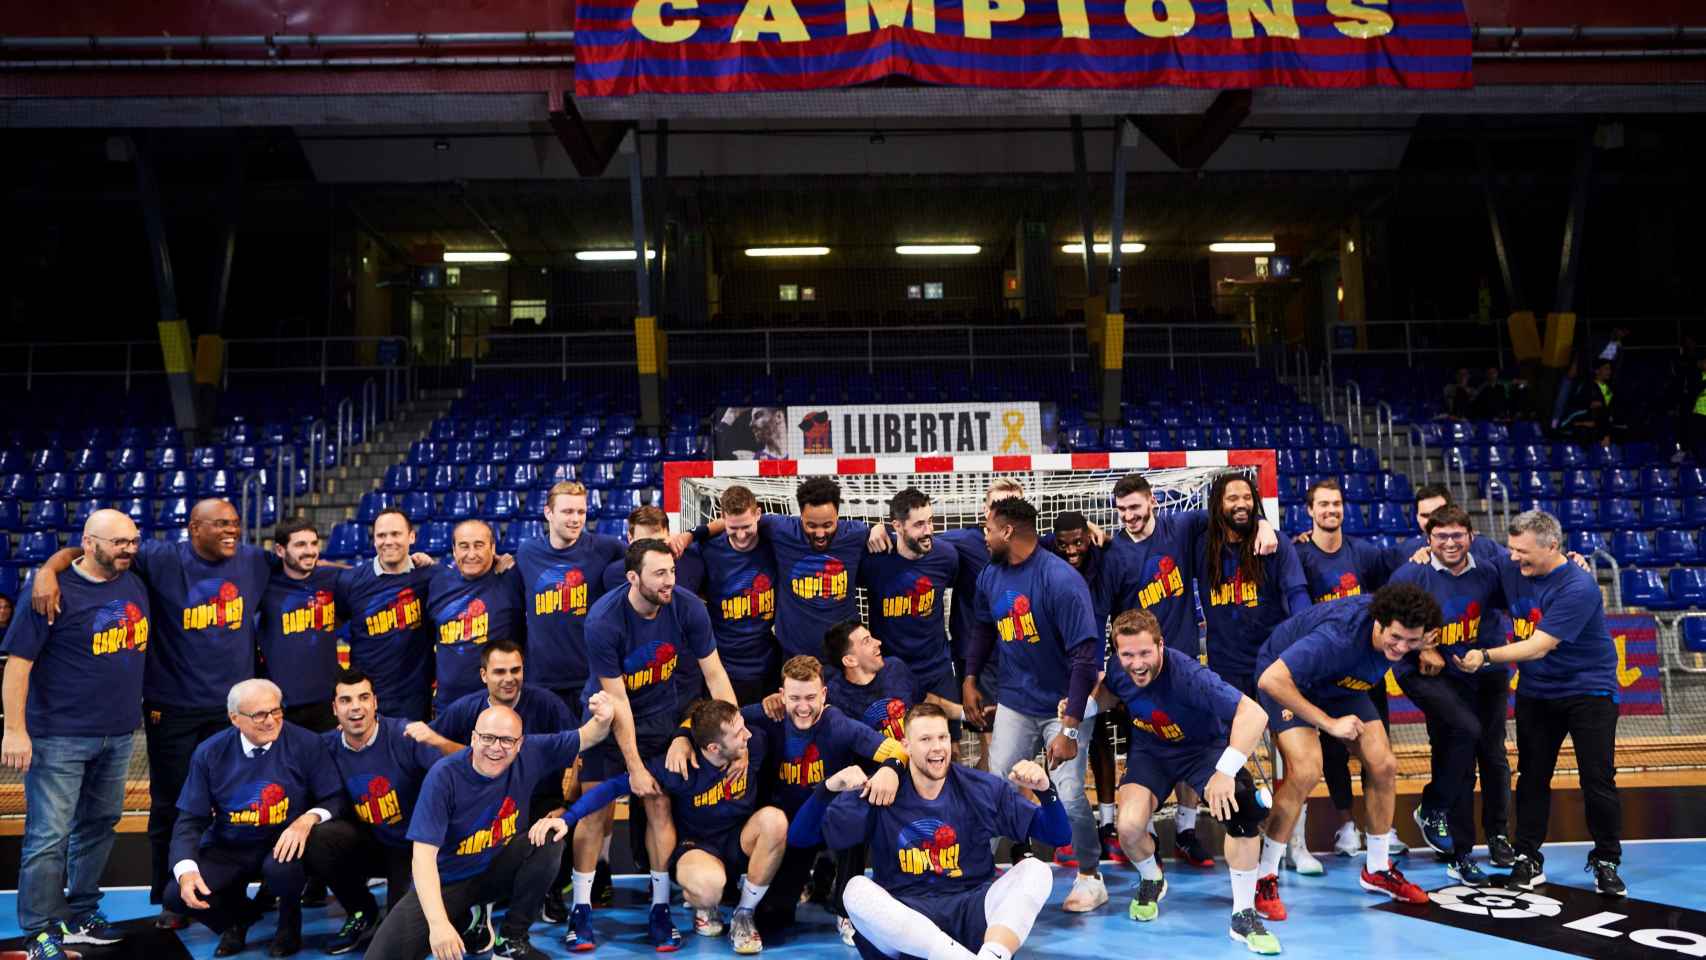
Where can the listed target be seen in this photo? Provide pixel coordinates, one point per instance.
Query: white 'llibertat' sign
(921, 429)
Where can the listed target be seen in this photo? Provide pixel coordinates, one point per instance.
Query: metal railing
(133, 360)
(346, 430)
(250, 510)
(316, 452)
(1616, 574)
(1410, 338)
(1504, 498)
(1384, 450)
(284, 479)
(1353, 411)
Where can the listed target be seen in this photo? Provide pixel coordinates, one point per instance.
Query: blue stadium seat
(1578, 513)
(1333, 435)
(433, 538)
(649, 449)
(35, 547)
(1357, 522)
(555, 473)
(458, 505)
(1631, 548)
(1659, 512)
(480, 476)
(1546, 504)
(217, 483)
(139, 510)
(533, 504)
(13, 460)
(1617, 512)
(461, 452)
(1226, 438)
(500, 505)
(444, 428)
(174, 512)
(1289, 461)
(1657, 481)
(1493, 433)
(1645, 588)
(571, 449)
(177, 483)
(167, 458)
(207, 457)
(481, 429)
(1605, 456)
(1568, 456)
(59, 484)
(602, 475)
(1533, 456)
(345, 541)
(1356, 488)
(501, 451)
(421, 452)
(373, 501)
(1691, 481)
(515, 428)
(1535, 483)
(244, 457)
(520, 476)
(611, 526)
(1585, 542)
(417, 505)
(1362, 460)
(1290, 488)
(1393, 518)
(619, 503)
(137, 483)
(87, 459)
(1115, 439)
(96, 484)
(18, 486)
(1580, 483)
(678, 446)
(125, 459)
(1688, 587)
(1396, 488)
(621, 425)
(1693, 634)
(636, 474)
(47, 515)
(401, 478)
(48, 460)
(1694, 511)
(440, 477)
(614, 449)
(78, 515)
(549, 427)
(1675, 546)
(1155, 439)
(585, 427)
(519, 530)
(1261, 436)
(536, 450)
(1497, 458)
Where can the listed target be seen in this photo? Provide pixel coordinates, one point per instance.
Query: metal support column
(660, 223)
(1569, 261)
(1496, 221)
(173, 330)
(646, 323)
(1086, 221)
(1113, 332)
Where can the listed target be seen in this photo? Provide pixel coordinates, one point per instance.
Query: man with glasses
(203, 595)
(239, 821)
(465, 828)
(74, 758)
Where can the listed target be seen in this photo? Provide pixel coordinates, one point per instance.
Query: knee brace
(1247, 820)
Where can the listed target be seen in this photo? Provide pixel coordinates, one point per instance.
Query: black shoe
(479, 935)
(823, 880)
(1527, 873)
(1188, 849)
(167, 920)
(358, 929)
(1605, 878)
(516, 946)
(1500, 853)
(314, 895)
(232, 942)
(603, 891)
(287, 942)
(554, 910)
(264, 902)
(1021, 851)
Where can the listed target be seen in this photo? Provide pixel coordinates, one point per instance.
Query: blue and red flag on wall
(625, 47)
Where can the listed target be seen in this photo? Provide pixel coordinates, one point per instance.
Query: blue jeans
(1018, 736)
(73, 797)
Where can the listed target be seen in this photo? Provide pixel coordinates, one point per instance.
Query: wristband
(1046, 797)
(1230, 762)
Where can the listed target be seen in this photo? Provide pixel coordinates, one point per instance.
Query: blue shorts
(727, 851)
(652, 735)
(1333, 701)
(959, 915)
(1158, 768)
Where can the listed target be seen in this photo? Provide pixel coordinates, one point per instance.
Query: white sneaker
(1348, 841)
(1394, 846)
(1298, 857)
(1088, 893)
(845, 926)
(708, 923)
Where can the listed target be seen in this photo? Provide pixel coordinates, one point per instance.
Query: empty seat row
(142, 483)
(1356, 487)
(1386, 517)
(442, 478)
(1680, 589)
(350, 540)
(497, 505)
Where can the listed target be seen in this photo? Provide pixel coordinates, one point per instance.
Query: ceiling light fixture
(938, 249)
(787, 251)
(475, 256)
(1102, 247)
(600, 256)
(1242, 246)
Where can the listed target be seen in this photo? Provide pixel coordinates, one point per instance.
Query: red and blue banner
(625, 47)
(1640, 688)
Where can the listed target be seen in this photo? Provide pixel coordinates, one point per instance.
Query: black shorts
(1333, 701)
(728, 852)
(651, 734)
(751, 690)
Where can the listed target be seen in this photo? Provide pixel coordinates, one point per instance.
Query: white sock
(1148, 869)
(582, 882)
(660, 886)
(1378, 848)
(1110, 813)
(895, 928)
(1243, 890)
(1185, 818)
(751, 893)
(1271, 853)
(994, 951)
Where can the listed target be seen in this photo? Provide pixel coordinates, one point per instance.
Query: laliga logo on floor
(1502, 905)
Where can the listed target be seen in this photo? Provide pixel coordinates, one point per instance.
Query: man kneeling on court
(470, 808)
(934, 894)
(1188, 726)
(1314, 672)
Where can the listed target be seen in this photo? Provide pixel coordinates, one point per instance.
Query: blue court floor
(1330, 917)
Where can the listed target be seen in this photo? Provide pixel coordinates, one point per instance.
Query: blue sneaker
(93, 930)
(660, 930)
(1465, 871)
(45, 946)
(581, 937)
(1435, 833)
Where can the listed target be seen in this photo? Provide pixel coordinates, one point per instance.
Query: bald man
(204, 594)
(469, 605)
(73, 696)
(467, 845)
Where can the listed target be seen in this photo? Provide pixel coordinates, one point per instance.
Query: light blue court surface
(1330, 917)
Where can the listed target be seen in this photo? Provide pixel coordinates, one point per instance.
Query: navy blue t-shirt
(689, 576)
(973, 552)
(922, 848)
(882, 703)
(87, 678)
(740, 595)
(390, 638)
(382, 780)
(1240, 615)
(467, 614)
(471, 817)
(643, 653)
(1486, 551)
(709, 804)
(1187, 705)
(252, 799)
(1465, 601)
(799, 760)
(299, 634)
(1041, 611)
(203, 615)
(1329, 647)
(1565, 603)
(1159, 572)
(541, 711)
(1357, 567)
(817, 588)
(905, 598)
(562, 586)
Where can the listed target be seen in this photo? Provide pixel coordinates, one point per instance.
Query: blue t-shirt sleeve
(196, 798)
(323, 782)
(1013, 813)
(423, 756)
(850, 533)
(153, 555)
(604, 646)
(1569, 610)
(1293, 582)
(865, 742)
(615, 576)
(696, 630)
(1307, 659)
(28, 632)
(846, 821)
(452, 723)
(432, 808)
(1222, 697)
(980, 609)
(556, 750)
(1072, 608)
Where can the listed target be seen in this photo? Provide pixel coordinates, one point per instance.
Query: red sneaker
(1063, 857)
(1188, 849)
(1268, 902)
(1393, 884)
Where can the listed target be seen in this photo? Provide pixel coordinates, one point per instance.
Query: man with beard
(973, 552)
(73, 697)
(203, 595)
(1337, 566)
(869, 685)
(298, 626)
(635, 640)
(933, 892)
(651, 523)
(1465, 711)
(740, 595)
(381, 769)
(1314, 673)
(1159, 552)
(385, 601)
(471, 604)
(1072, 542)
(1243, 595)
(904, 590)
(1051, 650)
(1188, 726)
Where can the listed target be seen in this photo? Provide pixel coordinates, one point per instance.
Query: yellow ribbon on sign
(1014, 421)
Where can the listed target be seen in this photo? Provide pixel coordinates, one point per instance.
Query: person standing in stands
(298, 628)
(73, 755)
(203, 594)
(471, 604)
(385, 602)
(740, 595)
